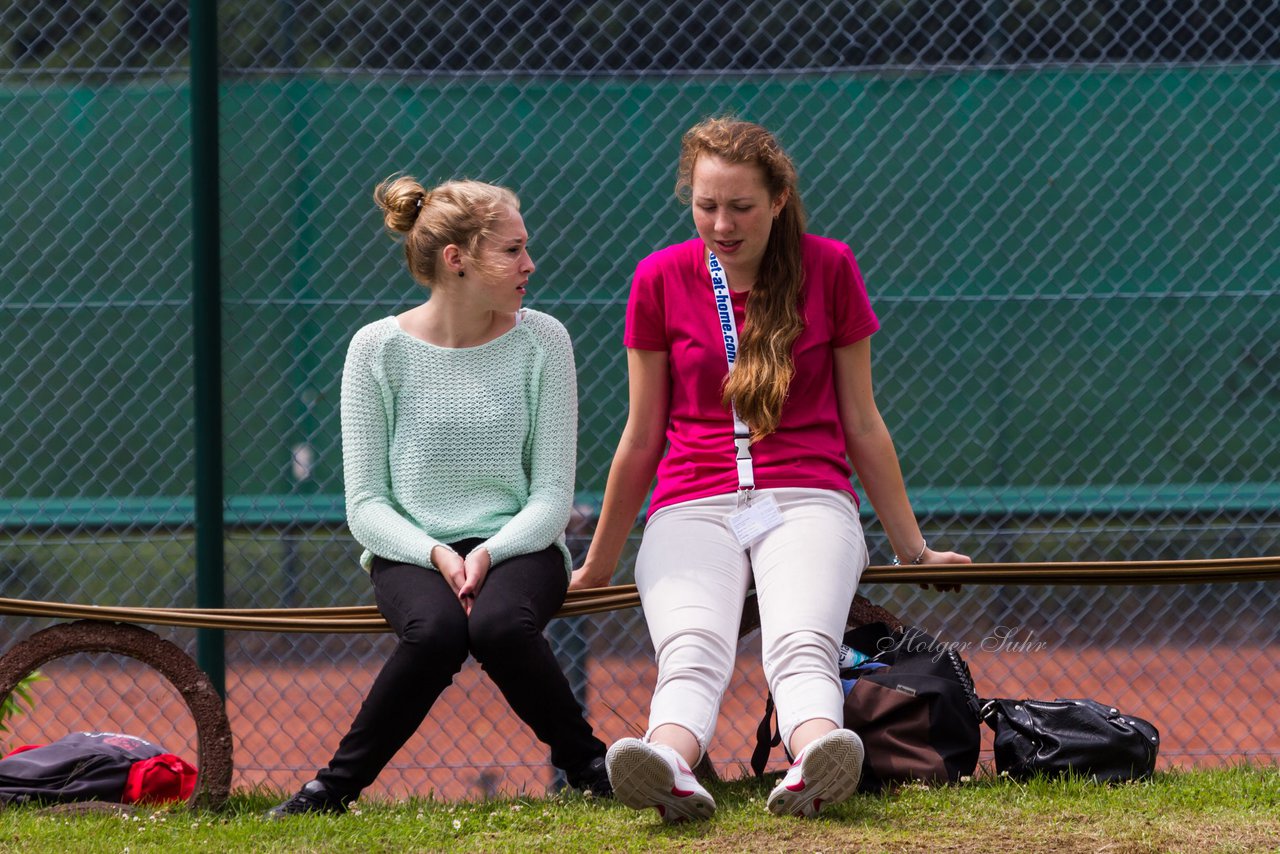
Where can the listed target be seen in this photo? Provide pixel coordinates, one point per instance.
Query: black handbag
(1081, 737)
(913, 705)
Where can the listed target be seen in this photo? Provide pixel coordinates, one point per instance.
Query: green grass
(1229, 810)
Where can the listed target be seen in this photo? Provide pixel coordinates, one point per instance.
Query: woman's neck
(452, 323)
(740, 280)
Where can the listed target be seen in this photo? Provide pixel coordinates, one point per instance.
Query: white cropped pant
(693, 577)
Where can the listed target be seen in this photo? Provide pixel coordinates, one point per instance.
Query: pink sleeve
(646, 327)
(852, 316)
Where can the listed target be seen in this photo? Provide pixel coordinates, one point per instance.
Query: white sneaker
(655, 775)
(827, 771)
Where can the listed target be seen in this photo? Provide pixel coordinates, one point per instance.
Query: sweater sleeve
(552, 451)
(373, 515)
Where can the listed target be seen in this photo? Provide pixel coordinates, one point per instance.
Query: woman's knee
(798, 651)
(497, 634)
(698, 657)
(440, 639)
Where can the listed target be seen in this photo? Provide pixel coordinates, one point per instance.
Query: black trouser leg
(517, 600)
(426, 616)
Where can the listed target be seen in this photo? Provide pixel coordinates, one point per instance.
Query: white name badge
(758, 518)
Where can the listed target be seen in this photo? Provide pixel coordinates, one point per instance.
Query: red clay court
(1209, 703)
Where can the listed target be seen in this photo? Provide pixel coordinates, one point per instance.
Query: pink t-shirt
(671, 308)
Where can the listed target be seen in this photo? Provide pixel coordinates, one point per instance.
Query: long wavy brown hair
(761, 377)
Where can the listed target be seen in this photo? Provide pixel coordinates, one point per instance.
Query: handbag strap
(966, 681)
(767, 738)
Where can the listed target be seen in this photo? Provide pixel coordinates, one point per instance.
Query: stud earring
(461, 274)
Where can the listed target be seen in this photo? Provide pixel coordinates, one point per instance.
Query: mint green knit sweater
(441, 444)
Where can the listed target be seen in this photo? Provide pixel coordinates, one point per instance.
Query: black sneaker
(312, 798)
(593, 778)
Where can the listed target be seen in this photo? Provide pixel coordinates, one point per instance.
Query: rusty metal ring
(213, 730)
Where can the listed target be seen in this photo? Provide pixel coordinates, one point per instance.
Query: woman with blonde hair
(459, 447)
(749, 356)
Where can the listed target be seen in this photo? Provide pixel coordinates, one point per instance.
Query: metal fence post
(206, 318)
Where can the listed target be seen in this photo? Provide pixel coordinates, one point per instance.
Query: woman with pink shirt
(749, 356)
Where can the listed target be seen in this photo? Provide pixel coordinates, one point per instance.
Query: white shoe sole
(830, 770)
(641, 778)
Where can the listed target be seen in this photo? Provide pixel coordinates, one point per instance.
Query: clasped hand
(465, 575)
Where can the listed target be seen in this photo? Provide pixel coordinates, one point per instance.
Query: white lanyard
(729, 327)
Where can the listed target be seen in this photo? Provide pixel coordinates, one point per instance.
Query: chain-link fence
(1066, 213)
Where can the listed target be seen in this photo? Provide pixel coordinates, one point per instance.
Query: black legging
(504, 633)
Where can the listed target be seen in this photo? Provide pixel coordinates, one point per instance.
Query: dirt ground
(1211, 706)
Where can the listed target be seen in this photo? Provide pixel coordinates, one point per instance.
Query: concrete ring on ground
(213, 730)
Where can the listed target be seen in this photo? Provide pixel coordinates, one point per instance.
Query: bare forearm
(630, 476)
(876, 461)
